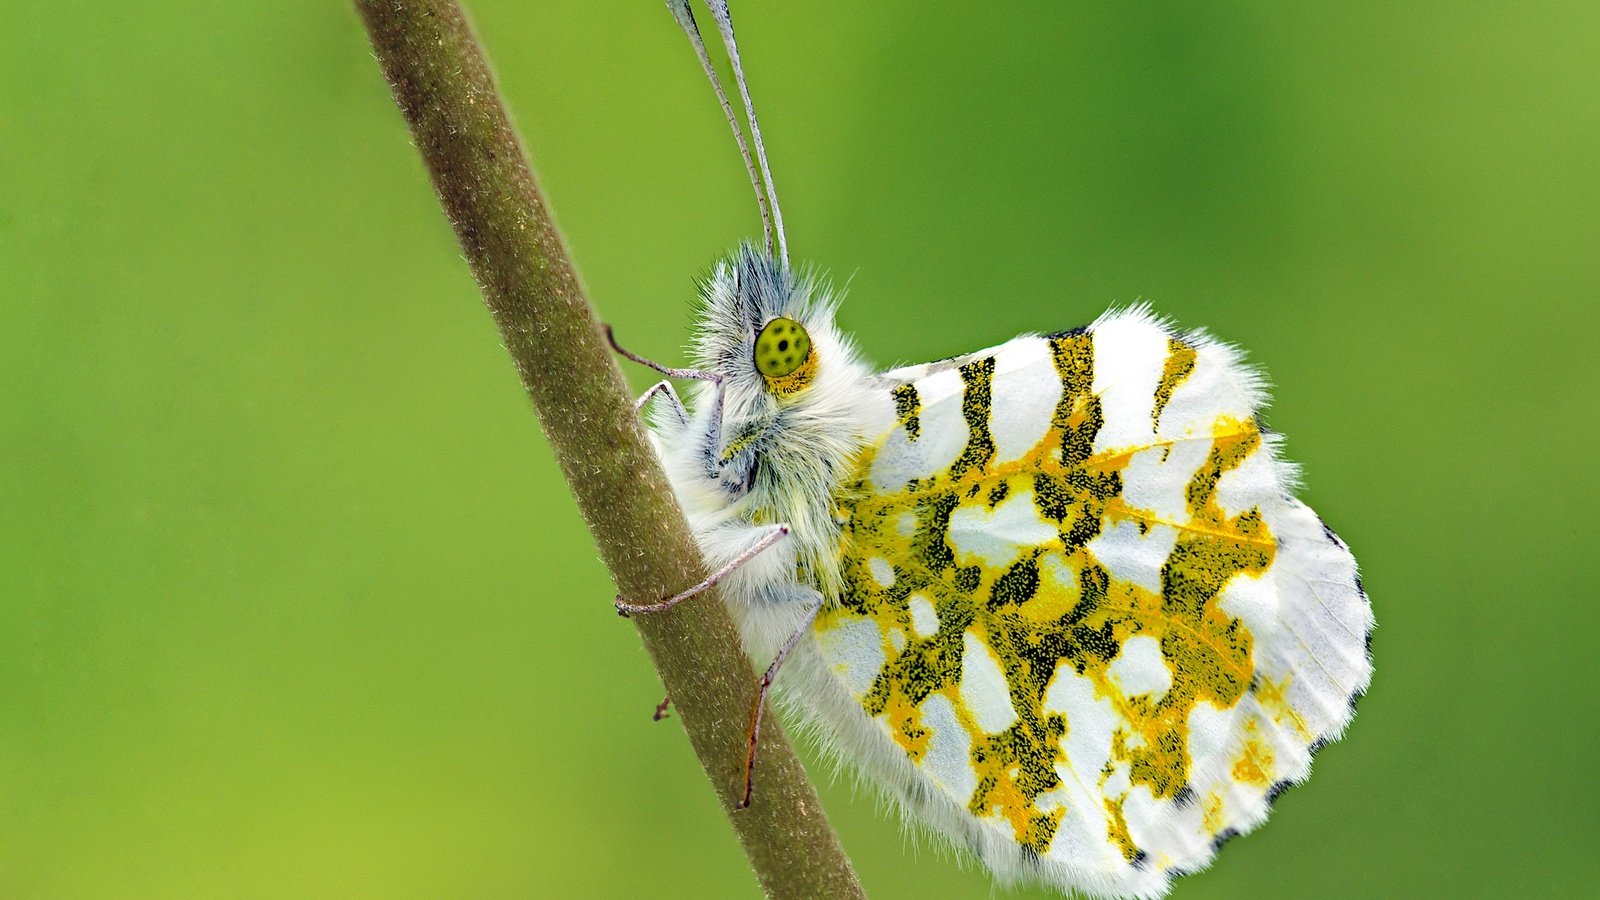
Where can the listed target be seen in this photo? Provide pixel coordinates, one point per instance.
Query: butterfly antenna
(685, 16)
(719, 11)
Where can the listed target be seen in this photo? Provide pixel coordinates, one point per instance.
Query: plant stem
(447, 94)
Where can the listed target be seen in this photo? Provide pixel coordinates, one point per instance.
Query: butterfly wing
(1082, 603)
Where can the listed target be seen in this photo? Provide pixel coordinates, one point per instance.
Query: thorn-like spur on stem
(776, 534)
(695, 374)
(754, 735)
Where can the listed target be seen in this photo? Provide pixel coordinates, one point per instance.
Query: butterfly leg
(701, 375)
(661, 708)
(753, 737)
(774, 534)
(714, 427)
(663, 389)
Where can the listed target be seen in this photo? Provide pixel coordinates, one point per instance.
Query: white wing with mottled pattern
(1083, 604)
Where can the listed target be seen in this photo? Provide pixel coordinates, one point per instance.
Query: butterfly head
(767, 330)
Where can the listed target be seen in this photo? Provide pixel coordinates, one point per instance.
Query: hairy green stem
(447, 94)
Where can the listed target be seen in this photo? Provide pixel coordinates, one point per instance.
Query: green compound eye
(782, 348)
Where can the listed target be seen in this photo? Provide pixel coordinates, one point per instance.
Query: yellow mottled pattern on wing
(1054, 605)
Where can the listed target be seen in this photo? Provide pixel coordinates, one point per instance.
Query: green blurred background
(294, 602)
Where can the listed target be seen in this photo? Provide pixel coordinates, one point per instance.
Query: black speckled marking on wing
(977, 402)
(908, 410)
(1180, 362)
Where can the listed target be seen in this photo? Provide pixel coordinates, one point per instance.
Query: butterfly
(1055, 598)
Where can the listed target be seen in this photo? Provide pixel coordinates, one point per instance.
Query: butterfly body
(765, 458)
(1054, 598)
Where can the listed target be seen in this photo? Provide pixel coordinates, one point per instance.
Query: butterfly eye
(783, 354)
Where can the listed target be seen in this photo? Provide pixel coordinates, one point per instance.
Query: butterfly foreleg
(713, 436)
(770, 536)
(665, 390)
(753, 737)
